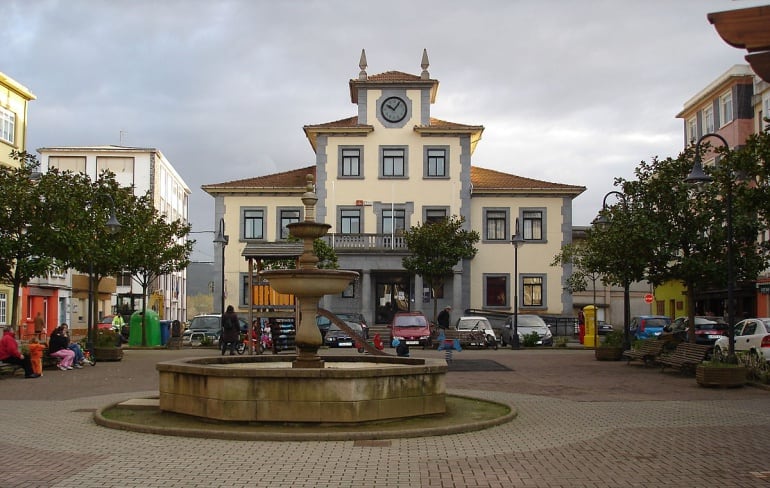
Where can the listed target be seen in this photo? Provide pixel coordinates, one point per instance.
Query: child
(36, 355)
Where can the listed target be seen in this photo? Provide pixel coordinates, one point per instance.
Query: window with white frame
(692, 130)
(76, 164)
(436, 162)
(393, 162)
(532, 225)
(287, 216)
(122, 168)
(253, 224)
(726, 108)
(124, 278)
(350, 221)
(350, 162)
(765, 110)
(532, 291)
(3, 309)
(496, 290)
(7, 126)
(495, 224)
(708, 120)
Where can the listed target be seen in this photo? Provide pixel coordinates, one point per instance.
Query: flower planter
(608, 353)
(720, 377)
(108, 353)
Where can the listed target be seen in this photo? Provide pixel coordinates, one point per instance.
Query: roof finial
(362, 64)
(425, 75)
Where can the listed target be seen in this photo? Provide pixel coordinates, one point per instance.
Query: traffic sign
(648, 298)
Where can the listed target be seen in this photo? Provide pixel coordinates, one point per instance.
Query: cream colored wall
(416, 189)
(533, 258)
(11, 100)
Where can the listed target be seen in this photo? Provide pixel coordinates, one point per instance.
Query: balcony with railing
(366, 242)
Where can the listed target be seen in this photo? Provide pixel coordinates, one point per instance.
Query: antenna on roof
(120, 137)
(362, 64)
(425, 75)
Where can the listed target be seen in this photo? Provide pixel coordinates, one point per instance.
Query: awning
(272, 250)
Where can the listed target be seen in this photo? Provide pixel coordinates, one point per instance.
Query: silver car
(526, 325)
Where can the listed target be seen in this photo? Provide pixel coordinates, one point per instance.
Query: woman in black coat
(231, 331)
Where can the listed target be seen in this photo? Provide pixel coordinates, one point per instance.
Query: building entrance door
(392, 297)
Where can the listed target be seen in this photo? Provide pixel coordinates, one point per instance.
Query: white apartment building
(144, 169)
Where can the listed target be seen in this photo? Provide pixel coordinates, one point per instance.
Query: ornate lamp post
(603, 221)
(698, 177)
(223, 239)
(516, 240)
(113, 227)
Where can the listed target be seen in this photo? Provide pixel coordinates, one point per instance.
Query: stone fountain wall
(253, 389)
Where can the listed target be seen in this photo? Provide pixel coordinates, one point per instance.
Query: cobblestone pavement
(581, 423)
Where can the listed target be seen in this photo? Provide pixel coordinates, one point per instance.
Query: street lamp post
(603, 221)
(223, 239)
(113, 226)
(698, 176)
(516, 240)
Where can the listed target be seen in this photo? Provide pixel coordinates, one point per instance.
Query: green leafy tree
(157, 247)
(79, 208)
(437, 247)
(23, 226)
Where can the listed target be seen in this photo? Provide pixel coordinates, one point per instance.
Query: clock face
(393, 109)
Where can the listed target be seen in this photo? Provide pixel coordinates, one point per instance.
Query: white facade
(147, 170)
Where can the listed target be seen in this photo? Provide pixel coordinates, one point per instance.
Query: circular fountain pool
(269, 389)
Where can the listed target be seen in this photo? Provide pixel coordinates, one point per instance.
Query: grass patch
(459, 411)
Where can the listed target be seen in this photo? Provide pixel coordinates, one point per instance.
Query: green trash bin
(151, 321)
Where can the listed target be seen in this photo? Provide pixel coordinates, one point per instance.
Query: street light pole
(698, 176)
(223, 239)
(516, 240)
(603, 221)
(113, 227)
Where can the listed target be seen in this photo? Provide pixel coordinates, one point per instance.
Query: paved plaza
(581, 423)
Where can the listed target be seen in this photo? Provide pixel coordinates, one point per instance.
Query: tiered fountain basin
(269, 389)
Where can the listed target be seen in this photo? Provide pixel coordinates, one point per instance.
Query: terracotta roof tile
(342, 123)
(489, 179)
(393, 76)
(294, 178)
(481, 178)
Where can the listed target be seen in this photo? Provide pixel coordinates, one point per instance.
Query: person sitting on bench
(9, 353)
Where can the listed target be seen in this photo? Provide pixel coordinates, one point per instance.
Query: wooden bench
(647, 351)
(685, 357)
(9, 368)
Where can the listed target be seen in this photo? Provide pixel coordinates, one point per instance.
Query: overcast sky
(574, 92)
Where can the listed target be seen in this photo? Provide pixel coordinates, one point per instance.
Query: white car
(751, 335)
(481, 324)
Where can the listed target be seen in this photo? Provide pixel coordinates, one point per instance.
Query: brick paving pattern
(581, 423)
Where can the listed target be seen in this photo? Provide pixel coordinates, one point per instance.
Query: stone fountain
(304, 387)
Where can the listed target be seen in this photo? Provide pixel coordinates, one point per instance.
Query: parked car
(707, 329)
(604, 328)
(206, 326)
(481, 324)
(526, 325)
(357, 318)
(105, 322)
(336, 337)
(412, 328)
(751, 336)
(323, 324)
(648, 326)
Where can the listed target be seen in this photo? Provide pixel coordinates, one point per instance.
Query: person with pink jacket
(57, 347)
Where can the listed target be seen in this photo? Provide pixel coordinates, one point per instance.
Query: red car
(105, 322)
(412, 328)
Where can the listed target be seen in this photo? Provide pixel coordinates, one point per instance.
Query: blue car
(648, 326)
